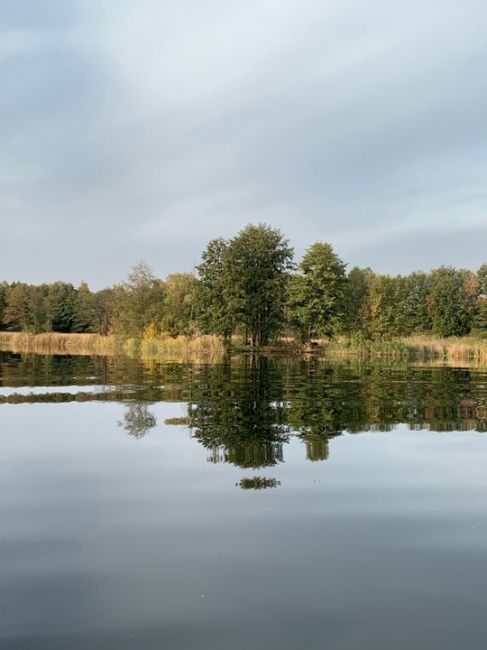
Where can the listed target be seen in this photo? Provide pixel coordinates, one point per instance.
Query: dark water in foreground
(266, 505)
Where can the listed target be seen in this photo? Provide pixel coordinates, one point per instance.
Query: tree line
(251, 286)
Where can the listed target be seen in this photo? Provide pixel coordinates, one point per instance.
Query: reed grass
(209, 348)
(204, 347)
(422, 348)
(181, 348)
(343, 346)
(57, 343)
(450, 349)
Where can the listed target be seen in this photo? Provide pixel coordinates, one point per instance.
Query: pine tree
(212, 311)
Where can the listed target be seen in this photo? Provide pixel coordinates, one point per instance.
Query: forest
(251, 286)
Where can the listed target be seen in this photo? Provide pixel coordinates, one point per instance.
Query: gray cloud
(144, 129)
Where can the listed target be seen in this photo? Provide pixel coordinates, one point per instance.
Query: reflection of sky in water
(145, 524)
(104, 537)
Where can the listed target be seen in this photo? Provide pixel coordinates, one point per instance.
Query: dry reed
(208, 348)
(449, 350)
(57, 343)
(181, 348)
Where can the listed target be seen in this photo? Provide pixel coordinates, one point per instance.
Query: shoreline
(208, 348)
(181, 348)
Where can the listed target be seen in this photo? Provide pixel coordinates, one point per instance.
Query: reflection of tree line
(116, 378)
(244, 413)
(245, 410)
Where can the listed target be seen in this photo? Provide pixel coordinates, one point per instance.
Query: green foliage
(387, 302)
(243, 284)
(26, 308)
(417, 315)
(138, 302)
(60, 307)
(450, 305)
(83, 310)
(212, 312)
(482, 280)
(479, 321)
(103, 304)
(317, 293)
(479, 324)
(3, 302)
(356, 315)
(256, 265)
(16, 314)
(180, 291)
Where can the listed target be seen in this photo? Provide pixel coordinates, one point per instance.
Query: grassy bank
(211, 348)
(56, 343)
(180, 348)
(418, 348)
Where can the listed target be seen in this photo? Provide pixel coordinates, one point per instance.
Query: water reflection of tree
(237, 413)
(258, 483)
(321, 406)
(137, 419)
(244, 412)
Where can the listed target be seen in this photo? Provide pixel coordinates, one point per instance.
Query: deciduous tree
(317, 292)
(256, 265)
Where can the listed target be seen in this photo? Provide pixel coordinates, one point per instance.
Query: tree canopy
(317, 293)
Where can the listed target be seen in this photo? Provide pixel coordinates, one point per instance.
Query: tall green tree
(17, 313)
(60, 306)
(317, 293)
(482, 280)
(417, 314)
(470, 294)
(387, 316)
(356, 300)
(449, 302)
(103, 306)
(26, 308)
(256, 265)
(212, 310)
(84, 310)
(39, 308)
(4, 288)
(139, 302)
(479, 320)
(179, 303)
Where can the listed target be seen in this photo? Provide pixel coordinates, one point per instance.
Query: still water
(251, 505)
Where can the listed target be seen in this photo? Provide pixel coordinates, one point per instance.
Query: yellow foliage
(150, 332)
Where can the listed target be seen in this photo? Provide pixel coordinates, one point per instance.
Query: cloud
(144, 129)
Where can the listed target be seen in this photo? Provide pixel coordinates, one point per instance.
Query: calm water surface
(250, 505)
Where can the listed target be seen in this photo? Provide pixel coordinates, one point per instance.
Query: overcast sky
(142, 129)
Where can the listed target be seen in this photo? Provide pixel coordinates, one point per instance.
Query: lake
(256, 504)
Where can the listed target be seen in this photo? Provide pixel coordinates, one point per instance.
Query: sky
(141, 130)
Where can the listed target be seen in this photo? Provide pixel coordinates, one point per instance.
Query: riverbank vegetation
(178, 348)
(250, 290)
(210, 348)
